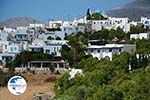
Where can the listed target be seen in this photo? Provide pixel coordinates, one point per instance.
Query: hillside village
(77, 46)
(50, 38)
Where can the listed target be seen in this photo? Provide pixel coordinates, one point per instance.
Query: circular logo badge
(17, 85)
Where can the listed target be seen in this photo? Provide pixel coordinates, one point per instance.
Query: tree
(76, 49)
(143, 46)
(51, 68)
(88, 14)
(137, 30)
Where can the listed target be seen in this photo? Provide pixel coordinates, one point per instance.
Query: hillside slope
(18, 21)
(134, 10)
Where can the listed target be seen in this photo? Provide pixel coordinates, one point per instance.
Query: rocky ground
(37, 83)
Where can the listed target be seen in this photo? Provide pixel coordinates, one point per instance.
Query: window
(64, 29)
(91, 50)
(70, 28)
(15, 48)
(110, 50)
(11, 49)
(146, 22)
(5, 46)
(76, 28)
(54, 49)
(65, 34)
(57, 48)
(98, 50)
(47, 51)
(120, 50)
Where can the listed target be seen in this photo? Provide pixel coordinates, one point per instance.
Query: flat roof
(109, 46)
(38, 61)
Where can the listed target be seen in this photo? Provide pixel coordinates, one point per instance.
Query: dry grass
(36, 84)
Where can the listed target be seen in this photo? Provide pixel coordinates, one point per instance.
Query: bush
(52, 78)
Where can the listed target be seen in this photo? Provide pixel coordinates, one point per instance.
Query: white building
(11, 48)
(8, 51)
(67, 27)
(122, 23)
(97, 25)
(145, 21)
(6, 57)
(111, 23)
(80, 20)
(134, 36)
(21, 36)
(22, 28)
(48, 46)
(3, 36)
(36, 25)
(108, 50)
(36, 46)
(55, 24)
(140, 36)
(52, 34)
(68, 30)
(8, 30)
(54, 46)
(72, 27)
(45, 35)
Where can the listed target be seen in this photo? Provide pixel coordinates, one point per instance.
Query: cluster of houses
(50, 38)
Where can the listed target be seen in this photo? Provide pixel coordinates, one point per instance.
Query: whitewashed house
(70, 27)
(36, 25)
(97, 25)
(22, 28)
(54, 46)
(144, 36)
(122, 23)
(8, 30)
(21, 36)
(67, 27)
(110, 23)
(134, 36)
(55, 24)
(8, 51)
(48, 46)
(140, 36)
(12, 48)
(46, 34)
(3, 36)
(146, 22)
(36, 46)
(108, 50)
(6, 57)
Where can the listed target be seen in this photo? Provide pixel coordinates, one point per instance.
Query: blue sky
(54, 9)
